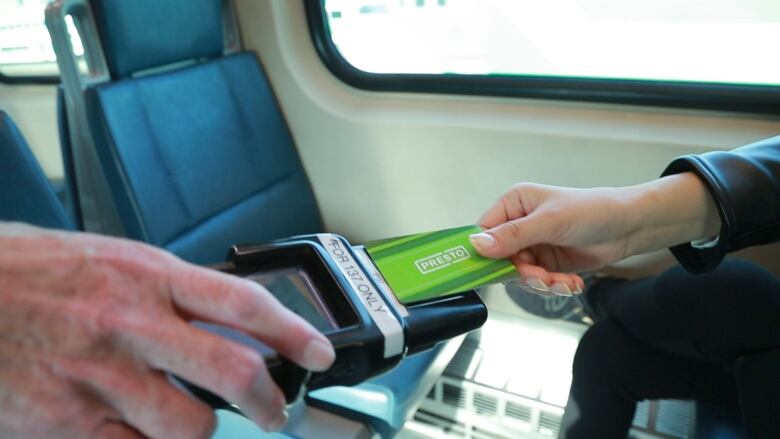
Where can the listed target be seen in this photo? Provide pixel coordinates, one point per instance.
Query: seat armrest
(386, 402)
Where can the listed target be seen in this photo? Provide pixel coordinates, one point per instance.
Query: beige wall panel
(34, 109)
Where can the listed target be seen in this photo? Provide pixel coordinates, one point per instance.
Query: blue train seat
(198, 157)
(197, 153)
(25, 193)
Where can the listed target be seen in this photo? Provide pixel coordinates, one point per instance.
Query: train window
(25, 48)
(668, 52)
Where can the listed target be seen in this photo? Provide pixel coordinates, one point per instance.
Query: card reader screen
(294, 288)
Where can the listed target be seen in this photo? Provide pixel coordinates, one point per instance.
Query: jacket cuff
(697, 260)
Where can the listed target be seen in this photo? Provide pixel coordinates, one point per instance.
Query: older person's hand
(552, 232)
(89, 325)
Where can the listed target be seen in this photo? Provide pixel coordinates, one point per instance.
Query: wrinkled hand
(89, 325)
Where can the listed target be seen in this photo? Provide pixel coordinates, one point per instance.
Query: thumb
(509, 238)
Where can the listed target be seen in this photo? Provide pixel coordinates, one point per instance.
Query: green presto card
(427, 265)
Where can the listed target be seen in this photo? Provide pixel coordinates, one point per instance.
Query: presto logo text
(442, 259)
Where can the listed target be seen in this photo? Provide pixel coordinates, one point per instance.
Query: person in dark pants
(670, 336)
(682, 334)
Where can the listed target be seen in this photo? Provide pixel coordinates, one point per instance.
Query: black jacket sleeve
(745, 184)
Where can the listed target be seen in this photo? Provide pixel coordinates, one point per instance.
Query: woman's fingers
(565, 284)
(512, 205)
(513, 223)
(503, 210)
(538, 280)
(509, 238)
(245, 305)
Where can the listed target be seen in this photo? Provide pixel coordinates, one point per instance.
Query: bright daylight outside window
(25, 47)
(714, 41)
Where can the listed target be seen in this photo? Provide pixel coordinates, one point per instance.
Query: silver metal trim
(96, 202)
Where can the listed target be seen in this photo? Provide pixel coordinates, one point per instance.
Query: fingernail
(536, 292)
(482, 240)
(561, 289)
(279, 422)
(318, 355)
(577, 289)
(537, 284)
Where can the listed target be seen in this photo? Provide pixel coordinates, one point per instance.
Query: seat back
(72, 200)
(196, 150)
(25, 193)
(193, 144)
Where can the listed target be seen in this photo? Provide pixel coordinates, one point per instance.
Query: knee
(732, 310)
(734, 285)
(734, 275)
(598, 354)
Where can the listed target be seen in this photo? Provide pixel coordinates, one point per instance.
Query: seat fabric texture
(25, 193)
(201, 158)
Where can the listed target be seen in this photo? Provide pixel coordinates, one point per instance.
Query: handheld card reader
(337, 288)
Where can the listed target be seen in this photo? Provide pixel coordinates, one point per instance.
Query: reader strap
(372, 300)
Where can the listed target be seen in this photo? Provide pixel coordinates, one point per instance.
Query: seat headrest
(142, 34)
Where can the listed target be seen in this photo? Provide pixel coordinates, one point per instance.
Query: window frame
(29, 79)
(742, 98)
